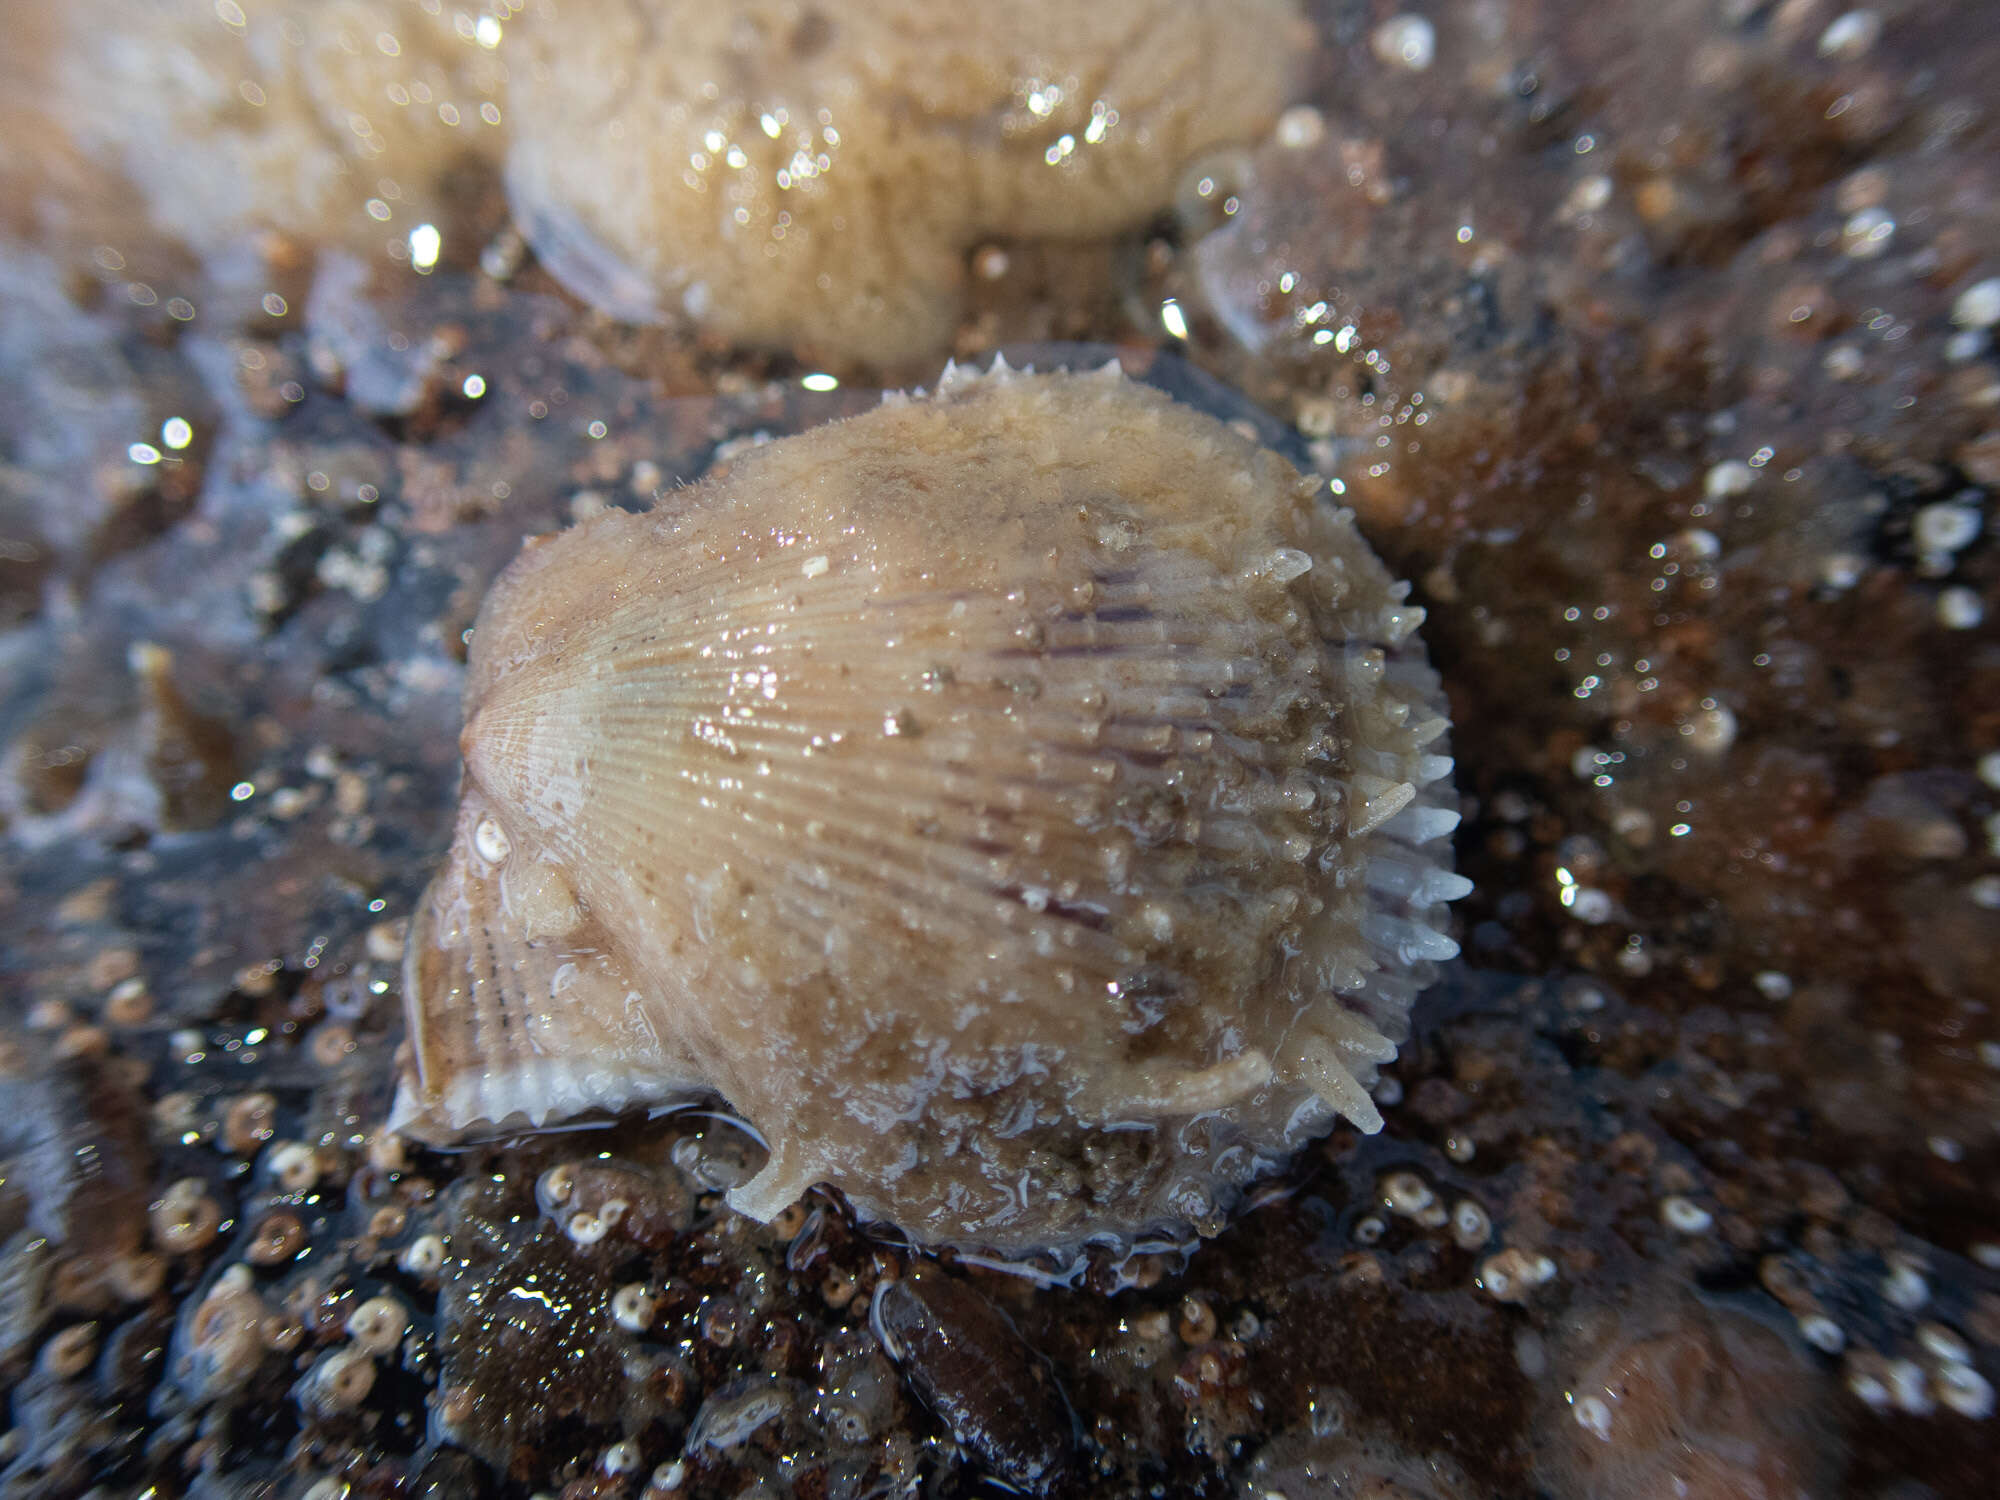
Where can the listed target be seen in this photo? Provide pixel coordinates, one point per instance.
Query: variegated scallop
(1025, 804)
(813, 175)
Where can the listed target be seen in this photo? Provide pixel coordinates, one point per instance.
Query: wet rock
(1333, 1454)
(527, 1339)
(24, 1274)
(101, 433)
(381, 370)
(111, 765)
(75, 1132)
(1699, 1399)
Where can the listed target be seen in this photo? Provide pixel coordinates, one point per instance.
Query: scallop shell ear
(517, 1013)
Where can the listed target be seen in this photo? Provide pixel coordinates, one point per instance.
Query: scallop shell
(816, 175)
(1024, 804)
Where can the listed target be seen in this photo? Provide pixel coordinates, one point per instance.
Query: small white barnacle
(632, 1307)
(1406, 1194)
(1471, 1225)
(339, 1381)
(293, 1165)
(555, 1187)
(490, 841)
(1823, 1333)
(585, 1227)
(423, 1256)
(1513, 1274)
(1965, 1391)
(1593, 1415)
(1684, 1215)
(1136, 900)
(377, 1325)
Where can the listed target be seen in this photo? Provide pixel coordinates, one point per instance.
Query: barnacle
(1024, 804)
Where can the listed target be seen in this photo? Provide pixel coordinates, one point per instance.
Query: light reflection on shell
(1024, 804)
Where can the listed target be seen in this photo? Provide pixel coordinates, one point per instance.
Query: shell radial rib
(1025, 804)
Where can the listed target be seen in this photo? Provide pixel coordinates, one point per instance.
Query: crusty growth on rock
(813, 174)
(1023, 804)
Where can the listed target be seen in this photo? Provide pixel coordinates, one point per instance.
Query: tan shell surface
(793, 174)
(1023, 805)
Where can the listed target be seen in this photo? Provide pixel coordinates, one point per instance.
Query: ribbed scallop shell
(1024, 804)
(788, 174)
